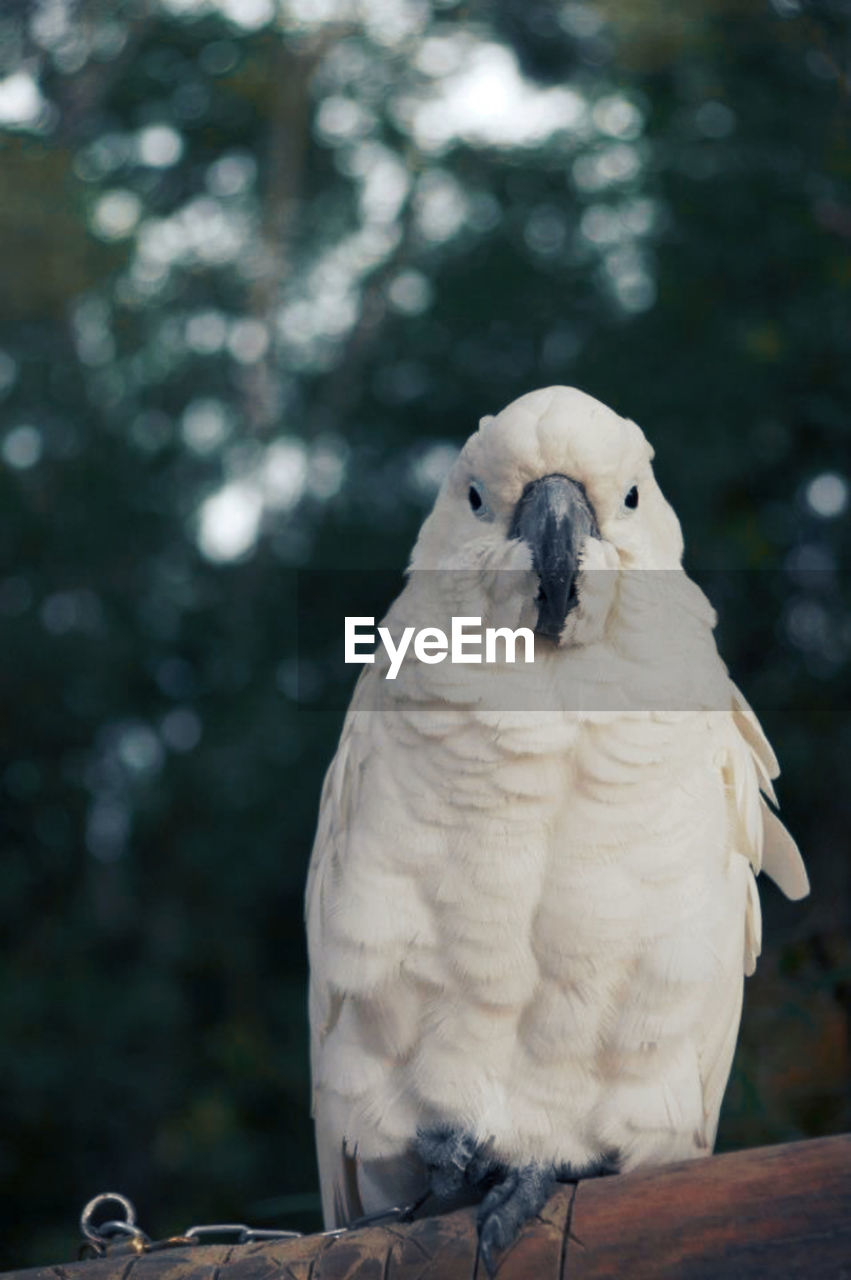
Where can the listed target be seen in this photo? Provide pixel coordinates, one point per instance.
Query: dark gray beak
(555, 518)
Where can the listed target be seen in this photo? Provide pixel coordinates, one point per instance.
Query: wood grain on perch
(773, 1212)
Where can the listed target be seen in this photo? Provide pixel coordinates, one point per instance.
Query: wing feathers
(753, 926)
(764, 839)
(782, 859)
(752, 732)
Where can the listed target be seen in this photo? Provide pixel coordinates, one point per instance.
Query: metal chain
(124, 1235)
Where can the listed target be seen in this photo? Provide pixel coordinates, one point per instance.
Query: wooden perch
(774, 1212)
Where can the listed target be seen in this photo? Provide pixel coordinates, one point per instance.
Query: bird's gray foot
(518, 1196)
(520, 1193)
(455, 1161)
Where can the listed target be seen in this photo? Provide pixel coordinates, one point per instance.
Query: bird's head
(557, 487)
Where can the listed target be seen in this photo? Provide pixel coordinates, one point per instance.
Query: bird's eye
(475, 498)
(631, 499)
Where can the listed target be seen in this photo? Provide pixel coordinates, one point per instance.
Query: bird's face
(560, 490)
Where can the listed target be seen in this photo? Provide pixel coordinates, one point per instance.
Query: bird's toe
(508, 1205)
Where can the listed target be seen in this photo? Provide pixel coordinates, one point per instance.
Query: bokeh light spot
(159, 146)
(205, 425)
(229, 522)
(116, 214)
(22, 447)
(21, 102)
(827, 495)
(181, 729)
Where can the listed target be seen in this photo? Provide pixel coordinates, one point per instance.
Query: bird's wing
(758, 841)
(362, 917)
(757, 834)
(770, 847)
(717, 1042)
(337, 1171)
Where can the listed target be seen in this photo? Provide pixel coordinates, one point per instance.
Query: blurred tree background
(264, 265)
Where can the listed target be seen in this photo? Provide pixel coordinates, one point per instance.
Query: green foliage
(262, 263)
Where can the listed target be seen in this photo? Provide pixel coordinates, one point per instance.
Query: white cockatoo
(532, 896)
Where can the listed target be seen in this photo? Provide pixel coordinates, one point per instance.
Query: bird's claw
(457, 1163)
(520, 1194)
